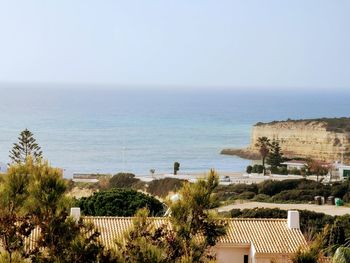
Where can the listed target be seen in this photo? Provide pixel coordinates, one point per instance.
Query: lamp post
(342, 149)
(123, 157)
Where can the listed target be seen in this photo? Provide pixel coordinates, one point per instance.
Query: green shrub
(294, 171)
(232, 191)
(246, 195)
(294, 195)
(162, 187)
(305, 256)
(258, 168)
(271, 188)
(342, 255)
(235, 212)
(119, 202)
(249, 169)
(283, 170)
(262, 198)
(123, 180)
(340, 189)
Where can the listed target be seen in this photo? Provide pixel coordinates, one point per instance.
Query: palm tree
(263, 144)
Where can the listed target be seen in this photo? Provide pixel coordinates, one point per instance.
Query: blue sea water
(90, 130)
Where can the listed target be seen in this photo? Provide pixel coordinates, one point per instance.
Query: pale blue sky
(261, 43)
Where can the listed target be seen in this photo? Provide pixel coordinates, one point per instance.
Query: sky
(179, 43)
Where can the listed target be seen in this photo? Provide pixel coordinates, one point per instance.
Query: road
(327, 209)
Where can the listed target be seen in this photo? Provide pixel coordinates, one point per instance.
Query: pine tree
(26, 146)
(275, 156)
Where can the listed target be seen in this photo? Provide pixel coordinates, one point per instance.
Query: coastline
(244, 153)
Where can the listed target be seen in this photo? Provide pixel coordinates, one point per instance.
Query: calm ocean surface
(87, 130)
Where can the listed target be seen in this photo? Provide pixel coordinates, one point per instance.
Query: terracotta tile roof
(112, 228)
(267, 235)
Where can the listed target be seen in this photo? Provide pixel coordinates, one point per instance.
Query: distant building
(295, 164)
(343, 170)
(246, 240)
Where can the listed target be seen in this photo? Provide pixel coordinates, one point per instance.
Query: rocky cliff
(321, 139)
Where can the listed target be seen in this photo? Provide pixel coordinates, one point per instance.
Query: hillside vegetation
(292, 191)
(341, 124)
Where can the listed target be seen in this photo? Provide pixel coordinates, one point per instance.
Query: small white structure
(343, 171)
(75, 213)
(295, 164)
(293, 220)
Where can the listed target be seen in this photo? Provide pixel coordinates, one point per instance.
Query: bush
(305, 256)
(342, 255)
(283, 170)
(232, 191)
(119, 202)
(246, 195)
(271, 188)
(294, 171)
(274, 170)
(235, 212)
(340, 189)
(249, 169)
(262, 198)
(123, 180)
(257, 168)
(294, 195)
(162, 187)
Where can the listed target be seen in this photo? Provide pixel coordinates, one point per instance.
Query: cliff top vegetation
(341, 124)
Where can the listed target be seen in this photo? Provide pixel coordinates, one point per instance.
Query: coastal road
(327, 209)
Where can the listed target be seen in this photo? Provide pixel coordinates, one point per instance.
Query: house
(295, 164)
(343, 171)
(246, 240)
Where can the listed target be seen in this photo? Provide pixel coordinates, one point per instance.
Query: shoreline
(244, 153)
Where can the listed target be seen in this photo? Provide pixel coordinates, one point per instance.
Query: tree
(249, 169)
(61, 238)
(33, 196)
(263, 144)
(342, 255)
(26, 146)
(176, 167)
(275, 156)
(192, 216)
(317, 168)
(162, 187)
(145, 242)
(194, 229)
(15, 225)
(119, 202)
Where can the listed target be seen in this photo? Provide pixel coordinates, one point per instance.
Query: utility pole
(342, 149)
(123, 157)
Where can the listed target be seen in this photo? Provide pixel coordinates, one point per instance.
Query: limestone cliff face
(304, 139)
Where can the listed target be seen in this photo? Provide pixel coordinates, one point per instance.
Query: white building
(295, 164)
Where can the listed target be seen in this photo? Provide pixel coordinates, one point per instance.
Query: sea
(98, 129)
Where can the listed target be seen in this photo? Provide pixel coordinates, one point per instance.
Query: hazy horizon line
(162, 87)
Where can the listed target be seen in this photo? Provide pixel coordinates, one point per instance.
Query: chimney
(293, 220)
(75, 213)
